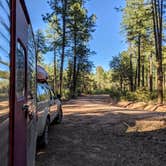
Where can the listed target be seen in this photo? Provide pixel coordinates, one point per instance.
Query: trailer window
(31, 73)
(20, 71)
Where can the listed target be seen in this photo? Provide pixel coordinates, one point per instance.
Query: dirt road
(95, 133)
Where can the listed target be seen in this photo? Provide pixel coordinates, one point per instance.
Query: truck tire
(59, 117)
(44, 137)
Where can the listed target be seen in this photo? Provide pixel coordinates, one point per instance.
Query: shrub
(100, 91)
(66, 94)
(115, 94)
(140, 94)
(153, 95)
(130, 96)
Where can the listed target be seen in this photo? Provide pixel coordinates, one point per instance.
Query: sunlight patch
(145, 126)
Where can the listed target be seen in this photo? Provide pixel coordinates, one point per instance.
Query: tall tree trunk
(69, 75)
(150, 74)
(157, 10)
(160, 81)
(131, 74)
(77, 71)
(74, 65)
(77, 75)
(143, 73)
(63, 44)
(135, 87)
(55, 63)
(139, 61)
(164, 79)
(160, 58)
(147, 78)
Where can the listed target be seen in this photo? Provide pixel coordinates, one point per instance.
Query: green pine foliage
(139, 72)
(69, 30)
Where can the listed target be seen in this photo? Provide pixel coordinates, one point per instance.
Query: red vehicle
(17, 86)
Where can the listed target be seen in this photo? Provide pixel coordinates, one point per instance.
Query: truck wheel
(44, 138)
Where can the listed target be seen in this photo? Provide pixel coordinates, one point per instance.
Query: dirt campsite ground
(96, 133)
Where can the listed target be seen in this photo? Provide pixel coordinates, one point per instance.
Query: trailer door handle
(25, 108)
(28, 113)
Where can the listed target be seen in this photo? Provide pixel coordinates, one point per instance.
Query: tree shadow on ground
(107, 139)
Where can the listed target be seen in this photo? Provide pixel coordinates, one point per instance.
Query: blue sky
(107, 41)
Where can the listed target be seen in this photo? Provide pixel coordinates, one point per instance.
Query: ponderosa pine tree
(80, 26)
(60, 9)
(157, 11)
(136, 26)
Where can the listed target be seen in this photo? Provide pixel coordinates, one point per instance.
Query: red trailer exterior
(17, 86)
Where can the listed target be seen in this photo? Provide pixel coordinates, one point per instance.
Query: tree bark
(131, 74)
(143, 73)
(139, 61)
(63, 44)
(157, 10)
(135, 87)
(74, 65)
(164, 79)
(55, 63)
(150, 75)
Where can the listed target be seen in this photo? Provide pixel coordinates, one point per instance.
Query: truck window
(42, 93)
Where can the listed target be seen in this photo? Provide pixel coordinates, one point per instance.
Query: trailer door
(24, 131)
(4, 81)
(31, 100)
